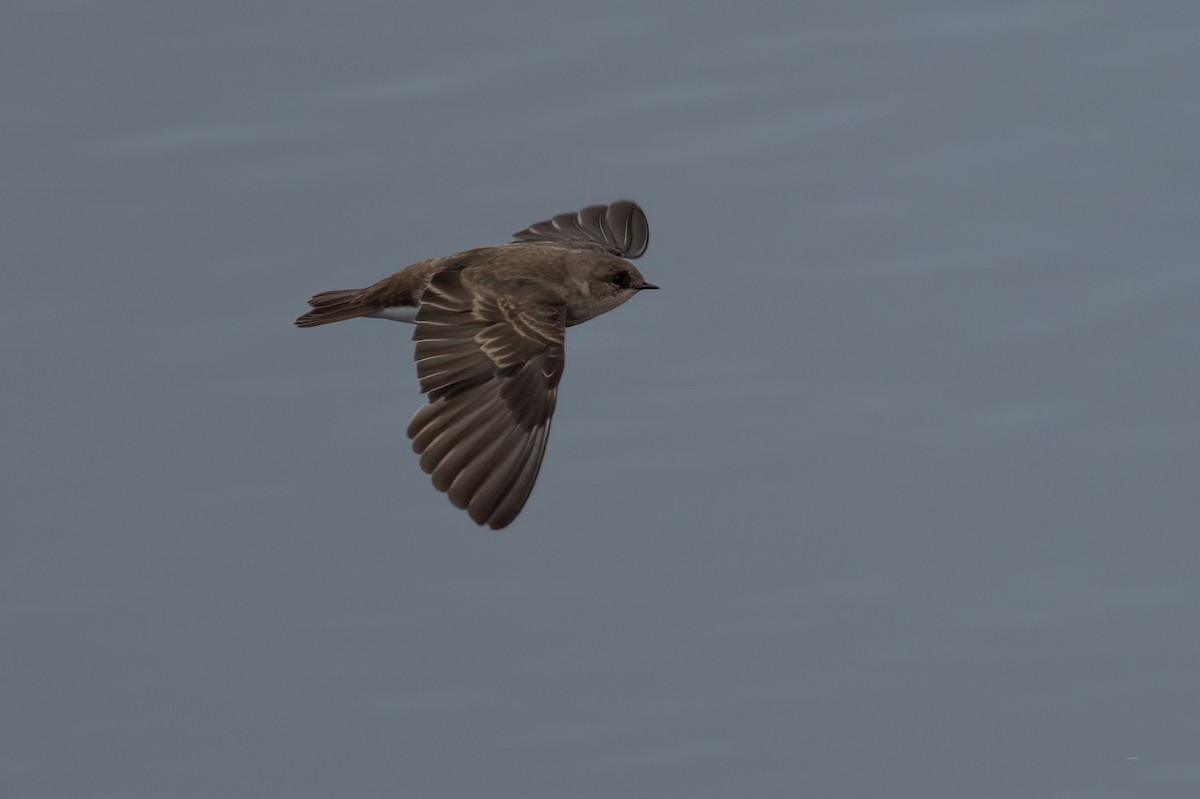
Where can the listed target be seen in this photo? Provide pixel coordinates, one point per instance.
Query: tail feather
(334, 306)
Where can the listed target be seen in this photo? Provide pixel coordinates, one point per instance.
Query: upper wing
(620, 228)
(490, 367)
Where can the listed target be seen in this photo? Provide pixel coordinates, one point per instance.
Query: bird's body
(546, 271)
(490, 326)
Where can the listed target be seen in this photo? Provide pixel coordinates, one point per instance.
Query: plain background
(890, 492)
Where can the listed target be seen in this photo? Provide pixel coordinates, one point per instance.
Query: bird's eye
(622, 280)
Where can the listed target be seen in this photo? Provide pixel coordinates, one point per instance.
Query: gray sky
(890, 491)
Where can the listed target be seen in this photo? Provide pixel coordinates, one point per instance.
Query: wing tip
(620, 227)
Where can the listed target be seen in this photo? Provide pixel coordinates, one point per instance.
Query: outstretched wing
(620, 228)
(490, 368)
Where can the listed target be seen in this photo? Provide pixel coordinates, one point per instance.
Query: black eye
(622, 280)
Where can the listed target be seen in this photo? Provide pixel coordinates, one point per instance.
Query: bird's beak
(647, 286)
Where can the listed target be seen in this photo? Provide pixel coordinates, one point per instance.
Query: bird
(490, 325)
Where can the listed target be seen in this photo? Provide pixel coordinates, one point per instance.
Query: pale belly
(400, 313)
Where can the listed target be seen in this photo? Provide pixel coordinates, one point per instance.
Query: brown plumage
(490, 330)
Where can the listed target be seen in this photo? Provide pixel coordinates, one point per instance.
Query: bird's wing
(620, 228)
(490, 366)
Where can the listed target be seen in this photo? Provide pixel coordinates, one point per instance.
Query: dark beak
(647, 286)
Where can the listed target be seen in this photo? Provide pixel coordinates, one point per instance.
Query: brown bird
(490, 326)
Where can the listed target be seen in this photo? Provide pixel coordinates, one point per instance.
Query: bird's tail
(334, 306)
